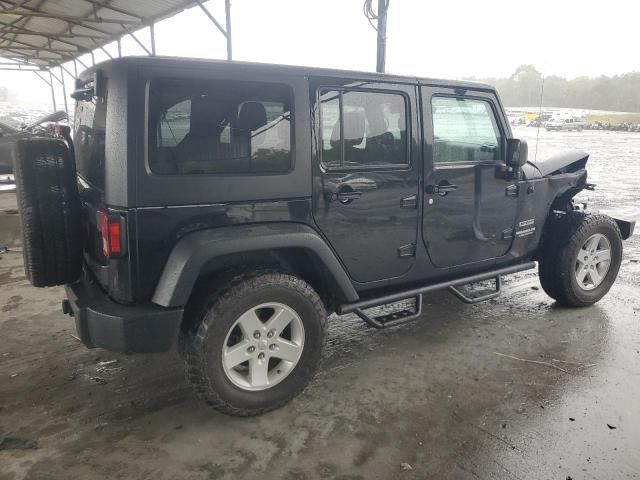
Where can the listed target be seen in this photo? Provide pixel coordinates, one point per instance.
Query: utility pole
(382, 35)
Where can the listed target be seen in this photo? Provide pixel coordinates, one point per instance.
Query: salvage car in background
(9, 135)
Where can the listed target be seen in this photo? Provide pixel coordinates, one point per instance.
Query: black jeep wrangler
(230, 207)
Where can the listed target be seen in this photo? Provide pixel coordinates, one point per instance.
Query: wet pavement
(515, 388)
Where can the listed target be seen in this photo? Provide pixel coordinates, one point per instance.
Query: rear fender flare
(194, 251)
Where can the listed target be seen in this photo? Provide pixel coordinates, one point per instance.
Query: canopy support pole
(227, 10)
(64, 89)
(64, 92)
(153, 39)
(53, 92)
(382, 36)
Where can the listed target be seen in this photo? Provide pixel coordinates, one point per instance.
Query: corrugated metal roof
(50, 32)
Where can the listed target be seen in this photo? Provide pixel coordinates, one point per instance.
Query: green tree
(524, 87)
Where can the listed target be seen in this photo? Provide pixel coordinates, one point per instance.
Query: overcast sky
(447, 39)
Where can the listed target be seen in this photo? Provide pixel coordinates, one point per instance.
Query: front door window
(464, 130)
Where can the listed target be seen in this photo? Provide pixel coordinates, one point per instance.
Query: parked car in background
(571, 124)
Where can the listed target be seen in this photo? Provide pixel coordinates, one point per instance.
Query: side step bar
(358, 307)
(480, 298)
(391, 319)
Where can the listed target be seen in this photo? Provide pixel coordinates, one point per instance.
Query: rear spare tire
(50, 210)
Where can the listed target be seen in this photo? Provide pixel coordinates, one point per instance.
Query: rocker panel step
(394, 318)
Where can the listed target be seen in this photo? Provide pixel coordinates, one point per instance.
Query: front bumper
(101, 322)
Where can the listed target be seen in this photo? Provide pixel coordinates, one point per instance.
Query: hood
(561, 163)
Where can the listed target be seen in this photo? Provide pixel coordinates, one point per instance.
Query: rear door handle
(442, 188)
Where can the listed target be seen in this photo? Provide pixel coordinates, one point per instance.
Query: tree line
(523, 89)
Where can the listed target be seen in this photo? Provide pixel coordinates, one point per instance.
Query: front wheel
(256, 343)
(580, 258)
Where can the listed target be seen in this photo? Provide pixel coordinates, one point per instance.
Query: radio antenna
(535, 156)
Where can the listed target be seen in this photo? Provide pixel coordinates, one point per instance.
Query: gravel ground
(452, 395)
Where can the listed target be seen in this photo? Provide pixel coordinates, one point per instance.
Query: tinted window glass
(174, 124)
(363, 129)
(88, 139)
(219, 127)
(464, 130)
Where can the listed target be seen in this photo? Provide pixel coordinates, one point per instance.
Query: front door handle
(441, 188)
(348, 196)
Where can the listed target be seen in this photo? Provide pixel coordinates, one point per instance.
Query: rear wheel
(580, 259)
(256, 343)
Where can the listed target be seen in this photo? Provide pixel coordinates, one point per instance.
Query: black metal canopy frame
(48, 37)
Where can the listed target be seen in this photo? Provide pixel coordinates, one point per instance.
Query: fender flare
(194, 251)
(626, 227)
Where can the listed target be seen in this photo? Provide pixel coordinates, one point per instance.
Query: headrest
(252, 116)
(354, 124)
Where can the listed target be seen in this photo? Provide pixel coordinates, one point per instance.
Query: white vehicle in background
(568, 124)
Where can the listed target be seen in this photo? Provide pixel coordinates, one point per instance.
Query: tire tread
(191, 343)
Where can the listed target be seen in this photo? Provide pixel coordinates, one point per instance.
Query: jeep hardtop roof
(182, 62)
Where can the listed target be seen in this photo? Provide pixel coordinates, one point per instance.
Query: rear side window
(219, 127)
(464, 130)
(363, 129)
(89, 139)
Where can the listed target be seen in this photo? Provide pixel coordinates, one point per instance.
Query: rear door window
(219, 127)
(89, 139)
(363, 129)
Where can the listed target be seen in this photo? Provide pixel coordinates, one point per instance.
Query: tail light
(111, 230)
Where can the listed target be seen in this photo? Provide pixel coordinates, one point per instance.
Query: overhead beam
(71, 22)
(144, 47)
(226, 32)
(19, 69)
(103, 49)
(55, 35)
(211, 17)
(67, 18)
(114, 9)
(14, 39)
(42, 47)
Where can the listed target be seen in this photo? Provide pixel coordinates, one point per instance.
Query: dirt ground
(446, 397)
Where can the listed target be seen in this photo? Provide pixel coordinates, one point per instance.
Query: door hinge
(409, 202)
(408, 250)
(507, 234)
(512, 190)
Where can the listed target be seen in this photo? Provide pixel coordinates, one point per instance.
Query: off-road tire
(210, 316)
(556, 264)
(49, 204)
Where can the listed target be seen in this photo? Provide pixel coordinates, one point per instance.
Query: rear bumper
(100, 322)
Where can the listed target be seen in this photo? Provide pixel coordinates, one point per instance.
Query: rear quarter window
(219, 127)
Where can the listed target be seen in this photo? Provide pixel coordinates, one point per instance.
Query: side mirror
(517, 153)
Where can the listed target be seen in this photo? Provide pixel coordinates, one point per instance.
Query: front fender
(194, 251)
